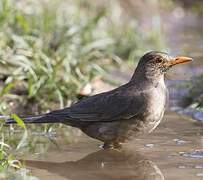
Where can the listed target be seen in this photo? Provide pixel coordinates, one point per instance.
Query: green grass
(49, 50)
(10, 168)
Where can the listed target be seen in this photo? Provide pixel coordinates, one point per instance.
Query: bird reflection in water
(104, 164)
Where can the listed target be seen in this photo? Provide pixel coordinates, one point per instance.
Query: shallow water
(174, 151)
(160, 155)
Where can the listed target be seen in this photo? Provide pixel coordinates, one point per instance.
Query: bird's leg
(117, 145)
(112, 145)
(108, 145)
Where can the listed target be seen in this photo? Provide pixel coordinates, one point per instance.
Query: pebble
(149, 145)
(194, 154)
(179, 141)
(198, 116)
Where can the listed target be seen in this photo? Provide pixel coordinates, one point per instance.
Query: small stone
(149, 145)
(198, 116)
(179, 141)
(86, 90)
(193, 154)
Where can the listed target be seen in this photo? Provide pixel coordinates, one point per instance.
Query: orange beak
(180, 60)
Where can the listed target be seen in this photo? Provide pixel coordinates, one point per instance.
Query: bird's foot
(114, 145)
(117, 145)
(107, 146)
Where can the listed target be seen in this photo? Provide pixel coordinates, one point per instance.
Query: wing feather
(109, 106)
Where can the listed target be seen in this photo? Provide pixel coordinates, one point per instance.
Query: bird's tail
(44, 118)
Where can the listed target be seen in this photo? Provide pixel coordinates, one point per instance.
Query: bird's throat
(151, 77)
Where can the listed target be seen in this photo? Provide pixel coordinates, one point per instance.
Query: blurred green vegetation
(49, 49)
(10, 168)
(195, 95)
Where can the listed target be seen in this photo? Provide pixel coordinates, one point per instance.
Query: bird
(120, 115)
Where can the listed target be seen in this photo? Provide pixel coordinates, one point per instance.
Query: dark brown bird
(125, 112)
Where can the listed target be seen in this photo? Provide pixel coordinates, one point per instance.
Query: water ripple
(194, 154)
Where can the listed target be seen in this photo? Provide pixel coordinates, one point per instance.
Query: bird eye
(159, 60)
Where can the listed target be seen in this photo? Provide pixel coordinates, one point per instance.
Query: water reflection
(104, 164)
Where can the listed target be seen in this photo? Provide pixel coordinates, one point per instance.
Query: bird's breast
(149, 119)
(156, 105)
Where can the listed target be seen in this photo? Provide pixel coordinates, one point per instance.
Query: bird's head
(154, 64)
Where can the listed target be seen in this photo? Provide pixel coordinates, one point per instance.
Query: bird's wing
(110, 106)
